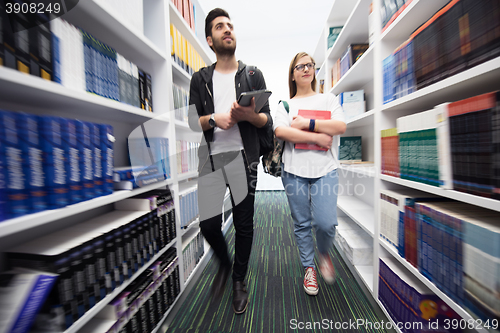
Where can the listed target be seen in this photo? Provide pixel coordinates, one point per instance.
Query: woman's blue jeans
(313, 202)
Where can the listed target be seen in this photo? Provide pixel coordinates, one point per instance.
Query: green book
(350, 148)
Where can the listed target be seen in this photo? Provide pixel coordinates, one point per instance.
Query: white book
(444, 147)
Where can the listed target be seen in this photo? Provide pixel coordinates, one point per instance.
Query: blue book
(31, 145)
(88, 57)
(97, 160)
(388, 72)
(107, 151)
(84, 132)
(55, 165)
(74, 174)
(11, 153)
(23, 292)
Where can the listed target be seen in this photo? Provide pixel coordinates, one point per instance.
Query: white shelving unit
(362, 207)
(149, 50)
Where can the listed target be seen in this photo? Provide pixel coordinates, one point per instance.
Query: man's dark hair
(214, 13)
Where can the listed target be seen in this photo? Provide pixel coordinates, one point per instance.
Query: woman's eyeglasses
(302, 67)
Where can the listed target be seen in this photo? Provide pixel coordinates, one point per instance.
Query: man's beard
(224, 50)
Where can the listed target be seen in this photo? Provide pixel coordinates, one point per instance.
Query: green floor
(278, 302)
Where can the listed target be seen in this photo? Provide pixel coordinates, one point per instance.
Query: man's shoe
(240, 297)
(326, 268)
(310, 282)
(220, 280)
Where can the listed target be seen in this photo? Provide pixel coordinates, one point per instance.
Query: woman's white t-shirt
(310, 163)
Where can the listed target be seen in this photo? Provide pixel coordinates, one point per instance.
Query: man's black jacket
(201, 103)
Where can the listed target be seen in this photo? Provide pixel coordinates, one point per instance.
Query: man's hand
(224, 120)
(244, 113)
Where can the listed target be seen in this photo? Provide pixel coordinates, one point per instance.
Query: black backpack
(266, 133)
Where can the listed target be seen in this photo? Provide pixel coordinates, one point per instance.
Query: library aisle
(278, 302)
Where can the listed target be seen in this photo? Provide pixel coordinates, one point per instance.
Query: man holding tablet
(229, 152)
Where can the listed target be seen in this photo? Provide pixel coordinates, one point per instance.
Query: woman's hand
(300, 123)
(323, 140)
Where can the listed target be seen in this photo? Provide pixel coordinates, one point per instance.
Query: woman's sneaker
(310, 282)
(326, 268)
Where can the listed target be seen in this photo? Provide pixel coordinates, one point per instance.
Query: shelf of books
(191, 37)
(431, 130)
(358, 75)
(355, 30)
(101, 18)
(430, 285)
(28, 92)
(410, 18)
(80, 323)
(70, 106)
(471, 82)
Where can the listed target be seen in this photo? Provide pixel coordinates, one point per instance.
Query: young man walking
(229, 153)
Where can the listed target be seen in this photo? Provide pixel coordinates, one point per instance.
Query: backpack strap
(285, 104)
(249, 72)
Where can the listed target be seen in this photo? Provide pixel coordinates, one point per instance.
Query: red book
(313, 114)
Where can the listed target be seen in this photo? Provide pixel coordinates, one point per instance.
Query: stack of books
(411, 304)
(192, 254)
(50, 162)
(142, 305)
(452, 146)
(183, 53)
(188, 11)
(454, 39)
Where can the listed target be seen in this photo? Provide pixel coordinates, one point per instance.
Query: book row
(413, 307)
(461, 35)
(349, 57)
(187, 156)
(51, 162)
(188, 11)
(454, 146)
(453, 244)
(192, 254)
(58, 51)
(390, 10)
(188, 205)
(181, 103)
(183, 53)
(95, 257)
(144, 302)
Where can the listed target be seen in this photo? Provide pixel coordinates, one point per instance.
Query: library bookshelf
(359, 199)
(150, 50)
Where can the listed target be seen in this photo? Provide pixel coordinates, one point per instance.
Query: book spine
(74, 176)
(55, 165)
(84, 137)
(107, 149)
(40, 290)
(142, 89)
(32, 147)
(97, 157)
